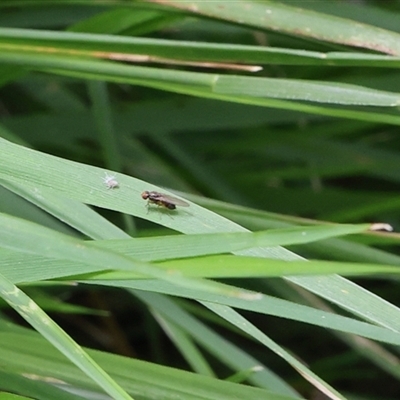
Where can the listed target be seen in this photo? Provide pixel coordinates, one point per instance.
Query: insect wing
(177, 202)
(165, 198)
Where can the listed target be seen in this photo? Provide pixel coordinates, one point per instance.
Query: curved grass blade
(36, 317)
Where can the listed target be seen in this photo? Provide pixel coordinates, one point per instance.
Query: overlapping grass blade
(34, 315)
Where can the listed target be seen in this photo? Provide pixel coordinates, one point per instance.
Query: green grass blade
(185, 345)
(222, 348)
(90, 44)
(35, 316)
(30, 238)
(143, 380)
(30, 388)
(29, 166)
(279, 17)
(72, 212)
(334, 93)
(241, 323)
(321, 92)
(269, 305)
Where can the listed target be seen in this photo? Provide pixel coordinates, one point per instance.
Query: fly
(163, 200)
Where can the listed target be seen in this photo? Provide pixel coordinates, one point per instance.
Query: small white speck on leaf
(110, 181)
